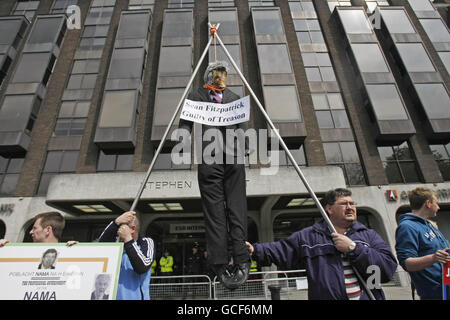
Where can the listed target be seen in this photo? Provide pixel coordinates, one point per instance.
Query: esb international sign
(42, 271)
(216, 114)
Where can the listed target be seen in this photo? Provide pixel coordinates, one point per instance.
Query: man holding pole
(329, 258)
(222, 185)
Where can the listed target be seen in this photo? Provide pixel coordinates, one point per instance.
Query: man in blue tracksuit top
(137, 258)
(421, 247)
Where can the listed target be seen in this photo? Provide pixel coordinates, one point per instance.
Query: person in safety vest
(166, 264)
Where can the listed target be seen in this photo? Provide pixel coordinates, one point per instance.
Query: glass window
(126, 64)
(32, 67)
(335, 100)
(227, 20)
(86, 66)
(118, 109)
(282, 103)
(386, 102)
(45, 30)
(133, 26)
(415, 57)
(9, 28)
(445, 57)
(267, 22)
(165, 103)
(175, 61)
(320, 101)
(398, 164)
(95, 31)
(274, 58)
(436, 30)
(324, 119)
(114, 162)
(355, 21)
(369, 57)
(15, 112)
(340, 119)
(441, 154)
(235, 52)
(397, 21)
(421, 5)
(178, 24)
(435, 100)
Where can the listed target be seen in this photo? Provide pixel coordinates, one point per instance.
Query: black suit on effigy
(219, 184)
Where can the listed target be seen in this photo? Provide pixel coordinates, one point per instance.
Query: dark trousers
(222, 184)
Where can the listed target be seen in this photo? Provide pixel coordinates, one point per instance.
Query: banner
(216, 114)
(447, 274)
(446, 281)
(43, 271)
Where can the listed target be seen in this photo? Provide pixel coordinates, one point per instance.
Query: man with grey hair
(137, 258)
(222, 183)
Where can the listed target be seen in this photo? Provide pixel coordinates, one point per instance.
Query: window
(15, 112)
(177, 24)
(175, 61)
(126, 64)
(436, 30)
(282, 103)
(131, 26)
(141, 4)
(267, 22)
(441, 154)
(165, 103)
(235, 52)
(85, 66)
(72, 118)
(345, 156)
(398, 163)
(397, 21)
(45, 30)
(274, 58)
(227, 20)
(114, 162)
(181, 3)
(435, 100)
(60, 6)
(26, 8)
(117, 109)
(386, 102)
(421, 5)
(330, 110)
(369, 57)
(57, 162)
(334, 4)
(9, 174)
(415, 57)
(445, 57)
(355, 21)
(10, 30)
(82, 81)
(33, 67)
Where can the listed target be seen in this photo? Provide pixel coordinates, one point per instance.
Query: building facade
(359, 91)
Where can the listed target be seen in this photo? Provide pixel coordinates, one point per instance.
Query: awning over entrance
(110, 192)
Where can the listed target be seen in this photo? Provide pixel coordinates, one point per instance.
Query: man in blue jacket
(328, 258)
(421, 248)
(137, 258)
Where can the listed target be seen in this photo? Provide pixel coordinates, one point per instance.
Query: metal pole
(180, 103)
(291, 158)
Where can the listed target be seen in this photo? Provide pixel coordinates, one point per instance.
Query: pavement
(391, 292)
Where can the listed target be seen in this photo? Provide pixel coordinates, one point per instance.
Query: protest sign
(43, 271)
(216, 114)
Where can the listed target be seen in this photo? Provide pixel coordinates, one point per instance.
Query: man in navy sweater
(421, 247)
(137, 258)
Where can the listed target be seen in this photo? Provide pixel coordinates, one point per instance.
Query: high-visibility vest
(166, 264)
(153, 267)
(254, 266)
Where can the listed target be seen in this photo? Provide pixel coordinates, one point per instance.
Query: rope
(212, 32)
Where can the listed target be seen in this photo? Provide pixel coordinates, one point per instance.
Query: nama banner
(55, 271)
